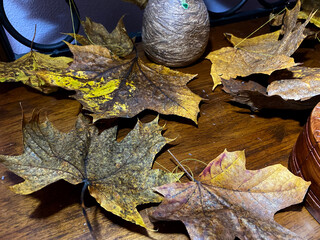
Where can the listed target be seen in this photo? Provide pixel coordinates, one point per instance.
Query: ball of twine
(175, 33)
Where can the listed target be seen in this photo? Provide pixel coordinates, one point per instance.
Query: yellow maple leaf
(262, 54)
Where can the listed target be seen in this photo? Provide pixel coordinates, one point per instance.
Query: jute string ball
(175, 33)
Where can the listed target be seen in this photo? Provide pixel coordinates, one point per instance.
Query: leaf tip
(168, 140)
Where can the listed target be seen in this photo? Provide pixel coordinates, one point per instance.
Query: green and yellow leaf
(25, 68)
(111, 87)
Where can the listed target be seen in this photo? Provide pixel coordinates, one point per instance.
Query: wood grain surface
(55, 212)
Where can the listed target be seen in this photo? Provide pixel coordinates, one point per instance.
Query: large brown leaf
(118, 41)
(262, 54)
(24, 70)
(112, 87)
(118, 174)
(230, 201)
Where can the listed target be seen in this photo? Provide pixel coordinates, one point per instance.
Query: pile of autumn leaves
(226, 201)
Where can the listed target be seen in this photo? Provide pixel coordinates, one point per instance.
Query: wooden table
(55, 212)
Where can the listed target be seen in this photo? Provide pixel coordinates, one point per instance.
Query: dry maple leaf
(112, 87)
(304, 84)
(255, 95)
(118, 41)
(297, 89)
(230, 201)
(24, 70)
(118, 174)
(262, 54)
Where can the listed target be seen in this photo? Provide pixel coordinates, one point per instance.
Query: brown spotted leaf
(230, 201)
(112, 87)
(118, 41)
(24, 70)
(118, 174)
(262, 54)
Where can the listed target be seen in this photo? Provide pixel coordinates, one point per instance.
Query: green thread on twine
(184, 4)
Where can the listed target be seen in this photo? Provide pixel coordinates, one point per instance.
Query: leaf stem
(183, 168)
(259, 27)
(34, 36)
(72, 20)
(84, 188)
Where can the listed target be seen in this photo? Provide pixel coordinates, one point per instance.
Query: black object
(54, 48)
(5, 47)
(234, 14)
